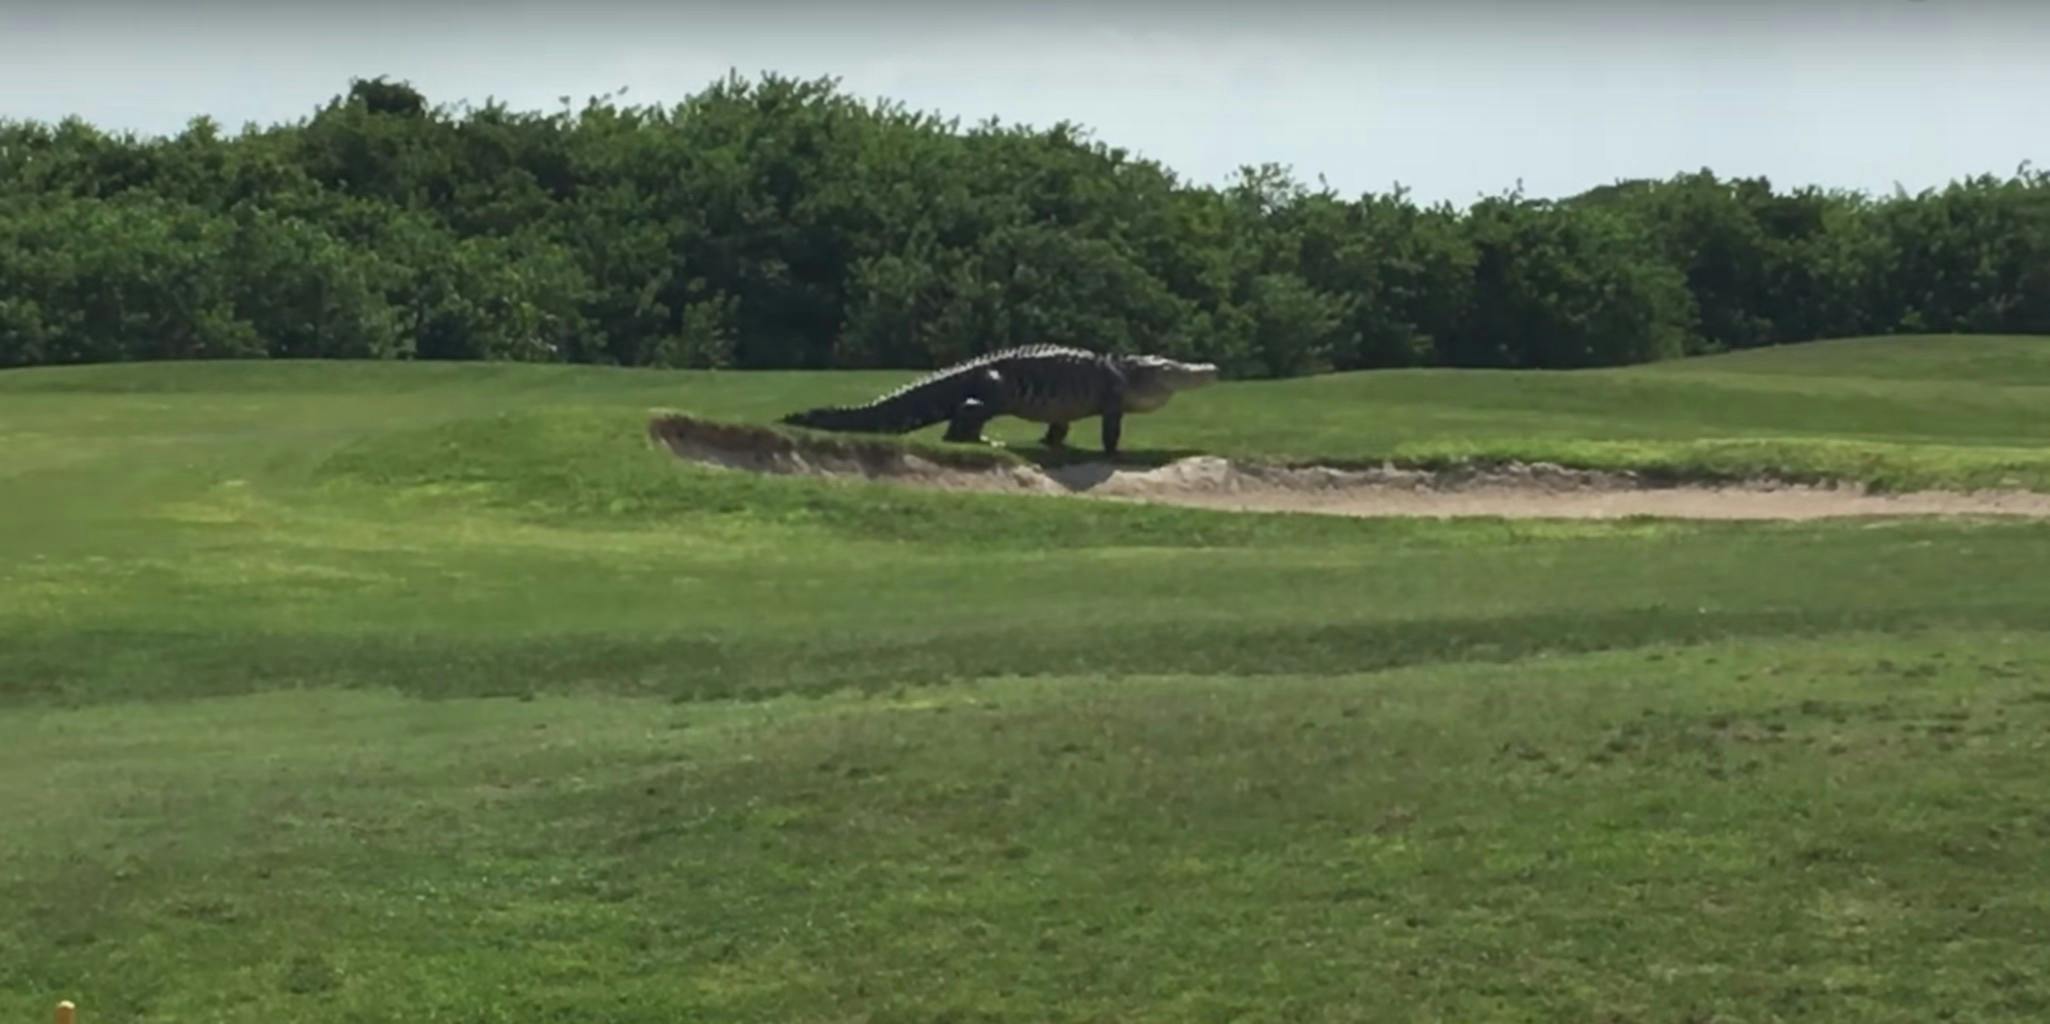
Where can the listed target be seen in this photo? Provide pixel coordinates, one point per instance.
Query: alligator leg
(1056, 435)
(966, 425)
(1113, 427)
(977, 408)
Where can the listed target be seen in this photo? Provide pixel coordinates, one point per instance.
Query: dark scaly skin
(1051, 384)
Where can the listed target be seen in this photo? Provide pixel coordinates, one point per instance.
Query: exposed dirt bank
(1519, 491)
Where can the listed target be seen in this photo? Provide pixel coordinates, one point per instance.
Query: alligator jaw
(1152, 380)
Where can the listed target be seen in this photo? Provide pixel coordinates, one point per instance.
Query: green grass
(360, 692)
(1850, 830)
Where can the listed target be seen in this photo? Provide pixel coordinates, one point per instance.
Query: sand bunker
(1517, 491)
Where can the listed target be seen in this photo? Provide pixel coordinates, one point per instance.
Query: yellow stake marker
(65, 1011)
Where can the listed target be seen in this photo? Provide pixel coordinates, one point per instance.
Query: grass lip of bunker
(1503, 489)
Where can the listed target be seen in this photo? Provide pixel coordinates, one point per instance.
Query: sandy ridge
(1519, 491)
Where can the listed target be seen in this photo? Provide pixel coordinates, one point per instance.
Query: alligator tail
(865, 419)
(900, 412)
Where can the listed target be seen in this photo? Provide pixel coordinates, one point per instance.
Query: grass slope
(354, 692)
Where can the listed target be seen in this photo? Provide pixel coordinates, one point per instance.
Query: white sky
(1452, 100)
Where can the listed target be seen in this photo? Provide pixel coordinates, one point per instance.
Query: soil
(1516, 491)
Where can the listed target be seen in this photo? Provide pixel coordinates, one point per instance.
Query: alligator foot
(953, 438)
(1056, 436)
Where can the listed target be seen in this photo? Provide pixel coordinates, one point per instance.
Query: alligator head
(1151, 380)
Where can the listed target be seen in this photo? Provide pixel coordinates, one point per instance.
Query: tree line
(781, 223)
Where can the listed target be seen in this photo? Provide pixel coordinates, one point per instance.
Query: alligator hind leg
(966, 425)
(1056, 435)
(976, 410)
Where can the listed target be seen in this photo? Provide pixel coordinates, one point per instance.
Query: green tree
(1556, 287)
(778, 222)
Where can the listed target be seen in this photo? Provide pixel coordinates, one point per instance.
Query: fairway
(435, 691)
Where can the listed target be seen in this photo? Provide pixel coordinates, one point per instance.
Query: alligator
(1050, 384)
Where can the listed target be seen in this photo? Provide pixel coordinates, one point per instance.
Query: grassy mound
(1940, 412)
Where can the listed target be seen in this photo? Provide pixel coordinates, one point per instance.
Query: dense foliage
(782, 223)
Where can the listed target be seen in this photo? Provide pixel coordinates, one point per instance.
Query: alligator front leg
(1113, 428)
(1056, 435)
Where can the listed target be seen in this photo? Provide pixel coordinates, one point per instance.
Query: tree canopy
(779, 223)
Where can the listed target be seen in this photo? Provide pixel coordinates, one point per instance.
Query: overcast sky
(1452, 99)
